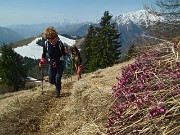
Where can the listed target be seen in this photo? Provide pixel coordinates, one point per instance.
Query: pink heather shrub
(156, 110)
(142, 93)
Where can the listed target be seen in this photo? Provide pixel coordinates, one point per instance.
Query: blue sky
(45, 11)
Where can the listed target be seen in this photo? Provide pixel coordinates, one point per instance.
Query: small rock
(55, 124)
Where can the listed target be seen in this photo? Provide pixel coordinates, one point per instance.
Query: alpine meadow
(120, 73)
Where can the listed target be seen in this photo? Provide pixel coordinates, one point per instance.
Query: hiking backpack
(59, 48)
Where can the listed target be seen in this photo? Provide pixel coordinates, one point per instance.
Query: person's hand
(66, 50)
(42, 62)
(41, 65)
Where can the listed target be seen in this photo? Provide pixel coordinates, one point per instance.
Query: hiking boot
(57, 96)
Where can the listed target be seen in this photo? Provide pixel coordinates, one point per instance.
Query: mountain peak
(137, 17)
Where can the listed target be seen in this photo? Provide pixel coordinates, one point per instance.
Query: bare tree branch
(168, 24)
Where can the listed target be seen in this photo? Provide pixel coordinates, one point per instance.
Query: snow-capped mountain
(139, 17)
(34, 51)
(131, 25)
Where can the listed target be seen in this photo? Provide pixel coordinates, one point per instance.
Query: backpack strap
(62, 50)
(46, 46)
(61, 47)
(58, 43)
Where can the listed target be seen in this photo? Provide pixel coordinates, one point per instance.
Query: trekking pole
(71, 69)
(66, 69)
(42, 61)
(42, 80)
(67, 75)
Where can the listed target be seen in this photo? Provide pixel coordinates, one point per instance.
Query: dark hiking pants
(55, 75)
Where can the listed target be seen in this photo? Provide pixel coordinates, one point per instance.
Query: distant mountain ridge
(129, 25)
(7, 35)
(139, 17)
(31, 30)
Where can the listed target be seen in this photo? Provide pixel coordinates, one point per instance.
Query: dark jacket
(55, 52)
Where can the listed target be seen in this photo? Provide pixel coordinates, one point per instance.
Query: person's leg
(79, 69)
(52, 75)
(60, 69)
(76, 66)
(52, 78)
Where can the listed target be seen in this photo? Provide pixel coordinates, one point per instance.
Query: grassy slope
(82, 109)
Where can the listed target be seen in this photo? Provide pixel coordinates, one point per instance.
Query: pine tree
(102, 46)
(12, 68)
(90, 50)
(109, 52)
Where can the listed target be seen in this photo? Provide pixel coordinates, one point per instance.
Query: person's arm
(43, 59)
(63, 49)
(80, 60)
(44, 50)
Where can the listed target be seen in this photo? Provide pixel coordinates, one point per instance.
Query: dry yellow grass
(82, 110)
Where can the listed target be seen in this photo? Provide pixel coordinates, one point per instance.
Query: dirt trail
(28, 112)
(55, 117)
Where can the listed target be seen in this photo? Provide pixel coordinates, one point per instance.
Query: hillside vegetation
(135, 97)
(82, 109)
(147, 94)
